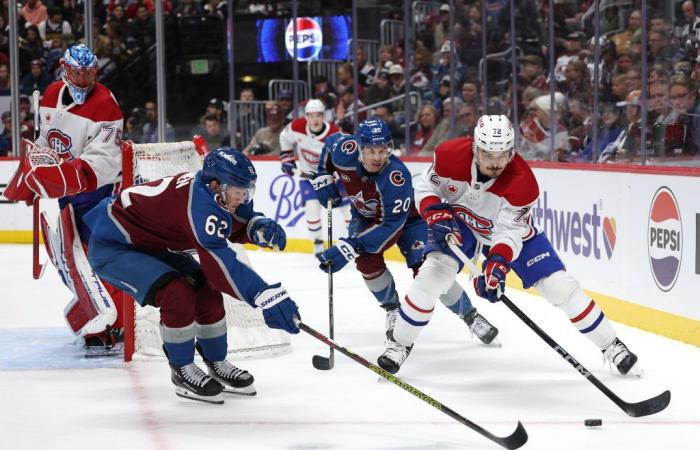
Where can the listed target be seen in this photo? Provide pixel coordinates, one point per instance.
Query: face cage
(83, 79)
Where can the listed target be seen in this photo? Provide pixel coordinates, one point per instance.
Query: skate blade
(246, 391)
(494, 343)
(104, 352)
(217, 399)
(635, 371)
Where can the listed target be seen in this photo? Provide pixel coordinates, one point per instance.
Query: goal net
(248, 336)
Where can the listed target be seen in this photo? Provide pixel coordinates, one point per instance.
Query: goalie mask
(80, 67)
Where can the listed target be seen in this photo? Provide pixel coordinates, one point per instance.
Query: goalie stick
(644, 408)
(37, 266)
(321, 362)
(515, 440)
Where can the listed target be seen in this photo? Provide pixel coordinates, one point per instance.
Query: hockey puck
(593, 422)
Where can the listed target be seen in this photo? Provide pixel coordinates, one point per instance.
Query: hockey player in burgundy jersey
(306, 137)
(77, 160)
(383, 214)
(140, 242)
(482, 192)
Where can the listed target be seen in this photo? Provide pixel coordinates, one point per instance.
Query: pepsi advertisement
(317, 38)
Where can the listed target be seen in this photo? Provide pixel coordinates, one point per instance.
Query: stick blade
(515, 440)
(649, 406)
(322, 363)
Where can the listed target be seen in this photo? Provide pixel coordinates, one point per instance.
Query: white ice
(51, 398)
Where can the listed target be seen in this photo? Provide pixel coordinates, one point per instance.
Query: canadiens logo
(396, 178)
(368, 208)
(309, 156)
(452, 189)
(479, 224)
(59, 141)
(348, 147)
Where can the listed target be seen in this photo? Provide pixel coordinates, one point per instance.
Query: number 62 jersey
(182, 214)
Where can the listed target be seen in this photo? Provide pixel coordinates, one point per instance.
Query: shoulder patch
(517, 184)
(397, 178)
(348, 146)
(453, 159)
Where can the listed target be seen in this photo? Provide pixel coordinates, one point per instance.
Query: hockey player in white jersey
(77, 160)
(303, 140)
(481, 192)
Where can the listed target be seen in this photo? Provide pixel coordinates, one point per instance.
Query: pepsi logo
(664, 239)
(309, 39)
(59, 141)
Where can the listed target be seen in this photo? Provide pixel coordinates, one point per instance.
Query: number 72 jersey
(182, 214)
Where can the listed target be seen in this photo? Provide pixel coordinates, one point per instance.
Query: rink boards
(629, 234)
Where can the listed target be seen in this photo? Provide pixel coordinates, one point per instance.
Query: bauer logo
(664, 238)
(309, 39)
(583, 232)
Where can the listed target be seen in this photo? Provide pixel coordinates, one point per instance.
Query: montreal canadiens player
(77, 160)
(140, 242)
(482, 192)
(383, 214)
(303, 140)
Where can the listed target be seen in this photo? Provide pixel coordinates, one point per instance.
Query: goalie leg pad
(434, 278)
(564, 291)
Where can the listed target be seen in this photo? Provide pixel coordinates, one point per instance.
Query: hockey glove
(336, 257)
(441, 223)
(278, 309)
(492, 283)
(324, 185)
(265, 232)
(289, 166)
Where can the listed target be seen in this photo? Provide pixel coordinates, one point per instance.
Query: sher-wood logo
(664, 238)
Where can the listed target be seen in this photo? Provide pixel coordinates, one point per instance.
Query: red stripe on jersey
(100, 105)
(517, 183)
(453, 159)
(584, 313)
(420, 310)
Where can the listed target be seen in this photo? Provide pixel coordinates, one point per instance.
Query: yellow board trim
(16, 237)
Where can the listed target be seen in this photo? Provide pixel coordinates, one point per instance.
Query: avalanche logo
(348, 147)
(59, 142)
(309, 39)
(367, 208)
(396, 178)
(665, 239)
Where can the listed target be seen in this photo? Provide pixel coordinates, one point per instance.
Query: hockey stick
(320, 362)
(639, 409)
(37, 266)
(515, 440)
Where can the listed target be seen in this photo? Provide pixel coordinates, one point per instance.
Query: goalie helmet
(230, 168)
(79, 71)
(494, 133)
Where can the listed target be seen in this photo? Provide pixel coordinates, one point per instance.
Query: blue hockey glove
(492, 283)
(441, 223)
(265, 232)
(336, 257)
(278, 309)
(289, 165)
(324, 185)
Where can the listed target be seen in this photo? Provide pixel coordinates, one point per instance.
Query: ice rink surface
(52, 398)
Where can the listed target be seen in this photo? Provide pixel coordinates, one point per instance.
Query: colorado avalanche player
(306, 137)
(383, 214)
(140, 242)
(482, 192)
(76, 159)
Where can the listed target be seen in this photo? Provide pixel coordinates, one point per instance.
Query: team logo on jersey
(435, 179)
(665, 239)
(48, 118)
(478, 224)
(418, 245)
(368, 208)
(348, 147)
(59, 141)
(452, 189)
(396, 178)
(309, 39)
(309, 156)
(344, 177)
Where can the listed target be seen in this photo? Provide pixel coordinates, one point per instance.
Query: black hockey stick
(517, 439)
(639, 409)
(320, 362)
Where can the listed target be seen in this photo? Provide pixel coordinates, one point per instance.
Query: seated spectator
(618, 89)
(33, 43)
(284, 100)
(380, 90)
(345, 107)
(609, 126)
(442, 131)
(34, 12)
(578, 123)
(659, 106)
(443, 93)
(470, 92)
(36, 79)
(386, 113)
(149, 133)
(215, 108)
(535, 132)
(623, 39)
(133, 126)
(397, 79)
(577, 81)
(345, 79)
(628, 143)
(442, 68)
(103, 52)
(659, 48)
(6, 135)
(684, 101)
(365, 69)
(5, 79)
(212, 131)
(387, 57)
(54, 26)
(118, 16)
(531, 75)
(657, 73)
(266, 140)
(188, 8)
(142, 31)
(428, 119)
(634, 80)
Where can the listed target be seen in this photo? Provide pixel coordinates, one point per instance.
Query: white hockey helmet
(494, 133)
(314, 105)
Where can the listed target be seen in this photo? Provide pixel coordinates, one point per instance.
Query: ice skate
(394, 355)
(233, 379)
(318, 247)
(109, 343)
(192, 383)
(392, 312)
(481, 328)
(618, 355)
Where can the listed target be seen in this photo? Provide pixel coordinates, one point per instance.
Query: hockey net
(248, 336)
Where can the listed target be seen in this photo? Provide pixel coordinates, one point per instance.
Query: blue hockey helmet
(230, 168)
(374, 131)
(79, 71)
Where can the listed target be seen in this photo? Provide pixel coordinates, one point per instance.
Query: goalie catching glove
(279, 310)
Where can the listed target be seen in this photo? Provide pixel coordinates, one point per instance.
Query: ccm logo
(438, 216)
(537, 258)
